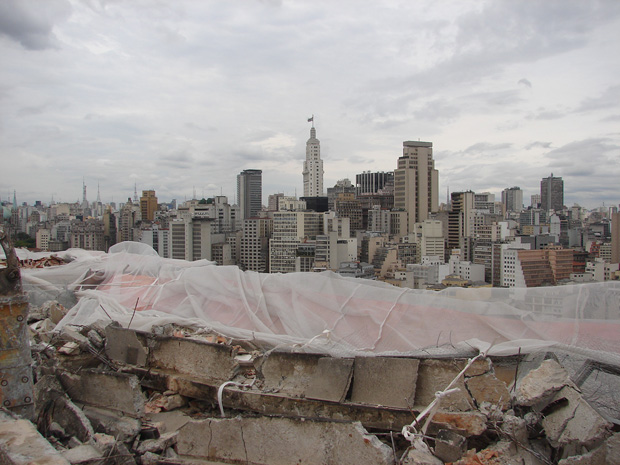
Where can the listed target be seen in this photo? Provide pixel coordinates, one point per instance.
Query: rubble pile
(105, 394)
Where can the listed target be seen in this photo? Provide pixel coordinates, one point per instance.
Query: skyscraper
(313, 166)
(416, 182)
(552, 193)
(250, 192)
(512, 198)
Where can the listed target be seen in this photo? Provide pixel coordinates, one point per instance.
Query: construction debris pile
(127, 358)
(108, 394)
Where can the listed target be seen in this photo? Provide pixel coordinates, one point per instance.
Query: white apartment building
(290, 231)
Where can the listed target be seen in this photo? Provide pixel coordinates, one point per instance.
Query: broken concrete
(419, 457)
(21, 444)
(607, 453)
(570, 421)
(435, 375)
(83, 454)
(205, 360)
(287, 373)
(123, 345)
(487, 388)
(331, 379)
(388, 381)
(539, 385)
(275, 441)
(449, 445)
(123, 428)
(114, 391)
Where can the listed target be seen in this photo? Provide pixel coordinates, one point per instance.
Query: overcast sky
(182, 95)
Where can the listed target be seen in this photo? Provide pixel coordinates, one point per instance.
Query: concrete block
(487, 388)
(159, 444)
(168, 421)
(53, 405)
(288, 373)
(607, 453)
(109, 390)
(56, 311)
(159, 402)
(449, 445)
(71, 418)
(389, 381)
(570, 420)
(435, 375)
(213, 363)
(419, 457)
(539, 385)
(123, 428)
(21, 444)
(122, 345)
(84, 454)
(471, 423)
(331, 379)
(279, 441)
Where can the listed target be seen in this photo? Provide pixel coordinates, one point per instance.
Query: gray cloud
(486, 147)
(30, 23)
(538, 144)
(201, 90)
(609, 99)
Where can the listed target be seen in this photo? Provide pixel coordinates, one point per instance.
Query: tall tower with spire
(313, 166)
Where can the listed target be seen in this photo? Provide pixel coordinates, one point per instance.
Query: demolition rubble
(106, 394)
(115, 391)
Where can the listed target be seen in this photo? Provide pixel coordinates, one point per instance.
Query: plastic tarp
(323, 311)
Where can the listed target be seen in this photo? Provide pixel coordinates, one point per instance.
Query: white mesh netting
(323, 311)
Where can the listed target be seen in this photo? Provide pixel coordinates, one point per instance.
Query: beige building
(416, 182)
(148, 205)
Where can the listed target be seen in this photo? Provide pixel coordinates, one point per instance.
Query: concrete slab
(122, 427)
(276, 441)
(122, 345)
(540, 384)
(487, 388)
(570, 420)
(331, 379)
(435, 375)
(389, 381)
(211, 362)
(110, 390)
(21, 444)
(84, 454)
(449, 445)
(288, 373)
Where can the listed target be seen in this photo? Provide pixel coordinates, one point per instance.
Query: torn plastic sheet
(358, 316)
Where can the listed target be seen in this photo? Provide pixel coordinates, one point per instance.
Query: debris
(571, 421)
(540, 384)
(449, 445)
(389, 381)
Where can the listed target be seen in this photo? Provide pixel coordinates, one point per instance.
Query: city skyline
(180, 98)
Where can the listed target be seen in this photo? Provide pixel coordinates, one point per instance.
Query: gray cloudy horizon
(181, 96)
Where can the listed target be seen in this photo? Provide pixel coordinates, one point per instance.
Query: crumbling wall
(107, 394)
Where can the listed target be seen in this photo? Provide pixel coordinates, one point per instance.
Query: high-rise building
(615, 238)
(552, 193)
(371, 183)
(313, 166)
(148, 205)
(254, 254)
(512, 198)
(294, 233)
(460, 219)
(250, 192)
(416, 182)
